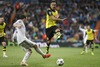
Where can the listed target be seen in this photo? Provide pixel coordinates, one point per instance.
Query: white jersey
(20, 31)
(84, 36)
(14, 34)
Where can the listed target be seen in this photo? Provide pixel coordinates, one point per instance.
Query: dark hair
(21, 17)
(53, 1)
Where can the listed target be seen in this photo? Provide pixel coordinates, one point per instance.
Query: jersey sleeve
(93, 31)
(14, 34)
(49, 12)
(83, 30)
(5, 27)
(19, 22)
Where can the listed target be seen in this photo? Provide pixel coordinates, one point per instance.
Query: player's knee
(30, 51)
(57, 30)
(57, 34)
(4, 43)
(35, 46)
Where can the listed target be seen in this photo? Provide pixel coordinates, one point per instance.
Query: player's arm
(14, 35)
(94, 34)
(49, 12)
(95, 30)
(85, 34)
(5, 30)
(17, 24)
(80, 28)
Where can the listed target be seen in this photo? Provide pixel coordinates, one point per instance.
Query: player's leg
(4, 49)
(26, 56)
(92, 47)
(52, 32)
(57, 34)
(49, 34)
(83, 50)
(48, 46)
(87, 42)
(38, 50)
(86, 47)
(4, 46)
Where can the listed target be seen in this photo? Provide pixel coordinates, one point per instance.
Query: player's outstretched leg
(38, 50)
(46, 56)
(48, 46)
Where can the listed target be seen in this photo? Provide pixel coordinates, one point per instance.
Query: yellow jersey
(2, 28)
(50, 22)
(90, 34)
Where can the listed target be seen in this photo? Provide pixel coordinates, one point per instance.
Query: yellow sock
(4, 50)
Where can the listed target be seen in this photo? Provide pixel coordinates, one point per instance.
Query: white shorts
(27, 44)
(84, 39)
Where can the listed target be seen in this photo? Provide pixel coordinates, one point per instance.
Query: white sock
(26, 56)
(4, 53)
(39, 50)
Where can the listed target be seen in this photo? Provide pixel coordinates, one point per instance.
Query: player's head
(23, 17)
(1, 19)
(85, 27)
(88, 27)
(53, 5)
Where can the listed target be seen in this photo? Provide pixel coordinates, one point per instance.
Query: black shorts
(50, 31)
(2, 39)
(88, 42)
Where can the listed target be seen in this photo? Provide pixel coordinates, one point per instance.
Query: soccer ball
(60, 62)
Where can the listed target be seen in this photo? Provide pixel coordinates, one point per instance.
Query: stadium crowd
(76, 11)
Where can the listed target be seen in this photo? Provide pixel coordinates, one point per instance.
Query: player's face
(85, 27)
(1, 19)
(53, 5)
(88, 27)
(25, 19)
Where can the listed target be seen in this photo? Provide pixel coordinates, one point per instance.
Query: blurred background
(77, 12)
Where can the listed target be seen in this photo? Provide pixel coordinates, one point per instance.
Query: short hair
(53, 1)
(22, 16)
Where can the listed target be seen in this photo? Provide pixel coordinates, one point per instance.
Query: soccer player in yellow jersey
(52, 30)
(90, 39)
(2, 35)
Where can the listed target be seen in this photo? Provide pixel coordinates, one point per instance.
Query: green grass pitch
(71, 56)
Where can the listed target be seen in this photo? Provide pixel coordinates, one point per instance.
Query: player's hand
(80, 25)
(64, 19)
(12, 40)
(19, 26)
(58, 16)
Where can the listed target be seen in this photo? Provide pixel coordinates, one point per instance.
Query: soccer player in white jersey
(14, 35)
(25, 42)
(84, 36)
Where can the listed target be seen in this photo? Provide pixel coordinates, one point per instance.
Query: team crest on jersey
(50, 12)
